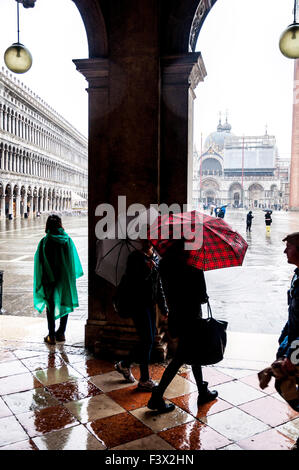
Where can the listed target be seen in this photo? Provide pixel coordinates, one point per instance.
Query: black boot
(156, 402)
(205, 395)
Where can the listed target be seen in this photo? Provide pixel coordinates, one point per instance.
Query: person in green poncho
(56, 268)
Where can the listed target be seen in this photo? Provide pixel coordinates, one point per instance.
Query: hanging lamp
(289, 40)
(17, 57)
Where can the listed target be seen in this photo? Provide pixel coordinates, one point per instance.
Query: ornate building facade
(43, 159)
(240, 171)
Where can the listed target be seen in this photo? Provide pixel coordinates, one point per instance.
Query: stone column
(25, 201)
(2, 207)
(18, 209)
(180, 75)
(10, 204)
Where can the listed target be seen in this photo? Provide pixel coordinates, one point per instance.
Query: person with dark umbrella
(144, 292)
(249, 218)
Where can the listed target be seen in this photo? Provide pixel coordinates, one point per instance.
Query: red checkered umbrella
(216, 245)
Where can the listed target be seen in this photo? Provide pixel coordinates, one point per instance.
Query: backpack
(121, 300)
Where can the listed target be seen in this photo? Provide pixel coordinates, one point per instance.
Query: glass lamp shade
(17, 58)
(289, 41)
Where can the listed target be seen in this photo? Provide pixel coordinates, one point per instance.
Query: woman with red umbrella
(185, 290)
(217, 246)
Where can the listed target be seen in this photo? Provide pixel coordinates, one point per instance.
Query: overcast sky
(247, 74)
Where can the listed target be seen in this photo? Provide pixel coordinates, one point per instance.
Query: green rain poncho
(56, 268)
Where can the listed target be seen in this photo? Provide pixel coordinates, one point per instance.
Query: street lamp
(17, 57)
(289, 40)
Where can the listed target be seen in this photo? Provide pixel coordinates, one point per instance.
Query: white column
(2, 207)
(10, 206)
(25, 204)
(18, 200)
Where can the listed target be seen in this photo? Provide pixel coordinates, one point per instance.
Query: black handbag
(205, 342)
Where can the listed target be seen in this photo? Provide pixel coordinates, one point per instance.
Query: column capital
(184, 69)
(96, 71)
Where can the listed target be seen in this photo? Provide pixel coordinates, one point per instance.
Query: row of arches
(13, 122)
(18, 160)
(254, 195)
(28, 200)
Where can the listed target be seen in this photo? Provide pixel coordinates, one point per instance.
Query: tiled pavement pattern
(61, 398)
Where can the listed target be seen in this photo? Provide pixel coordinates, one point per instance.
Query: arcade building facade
(43, 158)
(240, 171)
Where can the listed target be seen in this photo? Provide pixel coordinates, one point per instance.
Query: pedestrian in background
(249, 218)
(145, 291)
(268, 220)
(56, 268)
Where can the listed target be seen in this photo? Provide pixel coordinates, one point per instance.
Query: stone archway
(151, 165)
(256, 195)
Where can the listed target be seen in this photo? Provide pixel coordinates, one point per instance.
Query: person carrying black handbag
(185, 291)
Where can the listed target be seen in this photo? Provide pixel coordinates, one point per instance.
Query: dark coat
(291, 328)
(145, 285)
(185, 291)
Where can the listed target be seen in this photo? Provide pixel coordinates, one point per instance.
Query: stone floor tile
(6, 356)
(30, 400)
(46, 420)
(24, 353)
(130, 398)
(235, 424)
(236, 373)
(237, 393)
(4, 410)
(210, 375)
(189, 404)
(160, 422)
(253, 381)
(231, 447)
(74, 390)
(270, 411)
(152, 442)
(118, 429)
(90, 367)
(155, 371)
(24, 445)
(194, 436)
(290, 429)
(74, 438)
(278, 397)
(18, 383)
(179, 386)
(45, 361)
(110, 381)
(92, 408)
(11, 431)
(57, 375)
(73, 358)
(269, 440)
(12, 368)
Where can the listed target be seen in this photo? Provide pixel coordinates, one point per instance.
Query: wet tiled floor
(61, 398)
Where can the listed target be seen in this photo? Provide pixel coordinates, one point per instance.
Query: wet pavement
(252, 297)
(63, 398)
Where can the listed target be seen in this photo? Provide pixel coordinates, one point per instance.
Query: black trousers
(171, 371)
(51, 320)
(145, 324)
